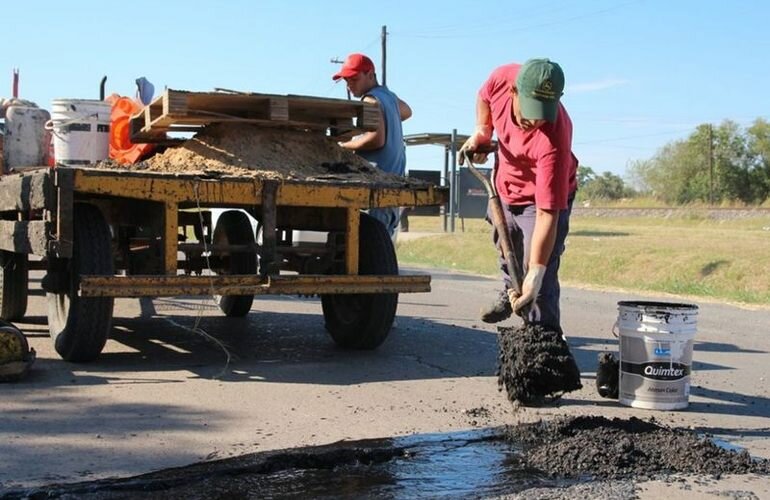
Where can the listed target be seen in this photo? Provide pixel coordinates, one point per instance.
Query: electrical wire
(462, 31)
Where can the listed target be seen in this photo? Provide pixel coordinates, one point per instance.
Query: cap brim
(344, 73)
(535, 109)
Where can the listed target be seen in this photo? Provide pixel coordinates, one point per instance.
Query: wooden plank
(175, 103)
(279, 109)
(175, 108)
(24, 236)
(171, 230)
(172, 286)
(25, 192)
(244, 191)
(268, 262)
(352, 240)
(369, 117)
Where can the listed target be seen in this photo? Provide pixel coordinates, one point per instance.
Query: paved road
(162, 395)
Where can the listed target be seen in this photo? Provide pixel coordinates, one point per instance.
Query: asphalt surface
(162, 395)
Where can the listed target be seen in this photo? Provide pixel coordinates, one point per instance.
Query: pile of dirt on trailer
(245, 150)
(602, 448)
(536, 365)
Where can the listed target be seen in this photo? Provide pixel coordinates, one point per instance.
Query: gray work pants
(521, 225)
(389, 216)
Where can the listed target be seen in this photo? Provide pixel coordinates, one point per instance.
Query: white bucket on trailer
(81, 131)
(656, 342)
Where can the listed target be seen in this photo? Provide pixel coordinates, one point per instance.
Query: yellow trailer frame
(176, 192)
(39, 209)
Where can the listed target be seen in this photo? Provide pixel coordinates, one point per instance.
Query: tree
(584, 175)
(721, 163)
(758, 139)
(607, 186)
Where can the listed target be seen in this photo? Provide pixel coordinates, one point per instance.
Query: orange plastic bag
(122, 150)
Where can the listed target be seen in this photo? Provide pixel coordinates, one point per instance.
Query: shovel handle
(498, 221)
(506, 245)
(488, 186)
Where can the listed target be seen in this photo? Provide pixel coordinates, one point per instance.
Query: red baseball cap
(354, 64)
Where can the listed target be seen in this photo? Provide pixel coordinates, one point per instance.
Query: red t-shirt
(535, 166)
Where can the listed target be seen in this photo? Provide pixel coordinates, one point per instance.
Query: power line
(670, 132)
(463, 32)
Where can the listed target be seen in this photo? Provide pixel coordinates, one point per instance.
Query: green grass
(685, 255)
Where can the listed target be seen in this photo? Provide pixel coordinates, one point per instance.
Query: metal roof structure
(452, 142)
(435, 139)
(438, 140)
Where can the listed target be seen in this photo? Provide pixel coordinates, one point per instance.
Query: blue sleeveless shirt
(392, 156)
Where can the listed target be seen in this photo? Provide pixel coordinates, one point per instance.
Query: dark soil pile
(603, 448)
(536, 365)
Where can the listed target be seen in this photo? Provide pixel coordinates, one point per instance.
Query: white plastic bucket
(81, 131)
(656, 342)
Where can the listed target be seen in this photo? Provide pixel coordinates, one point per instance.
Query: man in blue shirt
(383, 147)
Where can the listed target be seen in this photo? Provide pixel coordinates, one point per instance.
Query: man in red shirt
(535, 178)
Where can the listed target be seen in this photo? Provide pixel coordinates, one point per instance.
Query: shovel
(498, 221)
(536, 365)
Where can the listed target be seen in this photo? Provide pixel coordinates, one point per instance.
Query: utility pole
(711, 165)
(337, 60)
(384, 39)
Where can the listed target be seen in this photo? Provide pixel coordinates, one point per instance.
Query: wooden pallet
(182, 111)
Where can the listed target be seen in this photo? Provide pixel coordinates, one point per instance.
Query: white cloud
(595, 86)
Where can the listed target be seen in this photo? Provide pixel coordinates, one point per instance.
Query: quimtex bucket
(80, 129)
(656, 342)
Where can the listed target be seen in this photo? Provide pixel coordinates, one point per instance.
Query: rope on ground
(196, 328)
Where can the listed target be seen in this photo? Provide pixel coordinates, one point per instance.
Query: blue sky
(640, 73)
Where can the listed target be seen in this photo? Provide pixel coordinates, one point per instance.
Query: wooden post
(351, 240)
(171, 230)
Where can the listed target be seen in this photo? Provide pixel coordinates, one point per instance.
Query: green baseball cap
(540, 84)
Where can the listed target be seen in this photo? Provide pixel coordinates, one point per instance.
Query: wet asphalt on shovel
(536, 365)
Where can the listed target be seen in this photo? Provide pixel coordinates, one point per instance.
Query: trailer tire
(14, 287)
(234, 228)
(79, 326)
(363, 321)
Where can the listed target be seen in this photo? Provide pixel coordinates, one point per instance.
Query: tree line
(726, 163)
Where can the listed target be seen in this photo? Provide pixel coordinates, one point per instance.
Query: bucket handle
(49, 125)
(616, 329)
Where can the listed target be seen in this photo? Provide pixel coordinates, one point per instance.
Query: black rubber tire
(79, 326)
(234, 228)
(363, 321)
(14, 285)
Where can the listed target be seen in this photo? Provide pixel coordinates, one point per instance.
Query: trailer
(102, 232)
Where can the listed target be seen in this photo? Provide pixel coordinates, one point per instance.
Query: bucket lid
(657, 307)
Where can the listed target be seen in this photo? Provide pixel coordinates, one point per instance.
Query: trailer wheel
(14, 289)
(363, 321)
(234, 228)
(79, 326)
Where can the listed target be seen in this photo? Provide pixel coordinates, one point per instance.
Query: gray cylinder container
(26, 140)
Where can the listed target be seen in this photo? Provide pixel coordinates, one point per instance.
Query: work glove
(530, 288)
(513, 295)
(482, 135)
